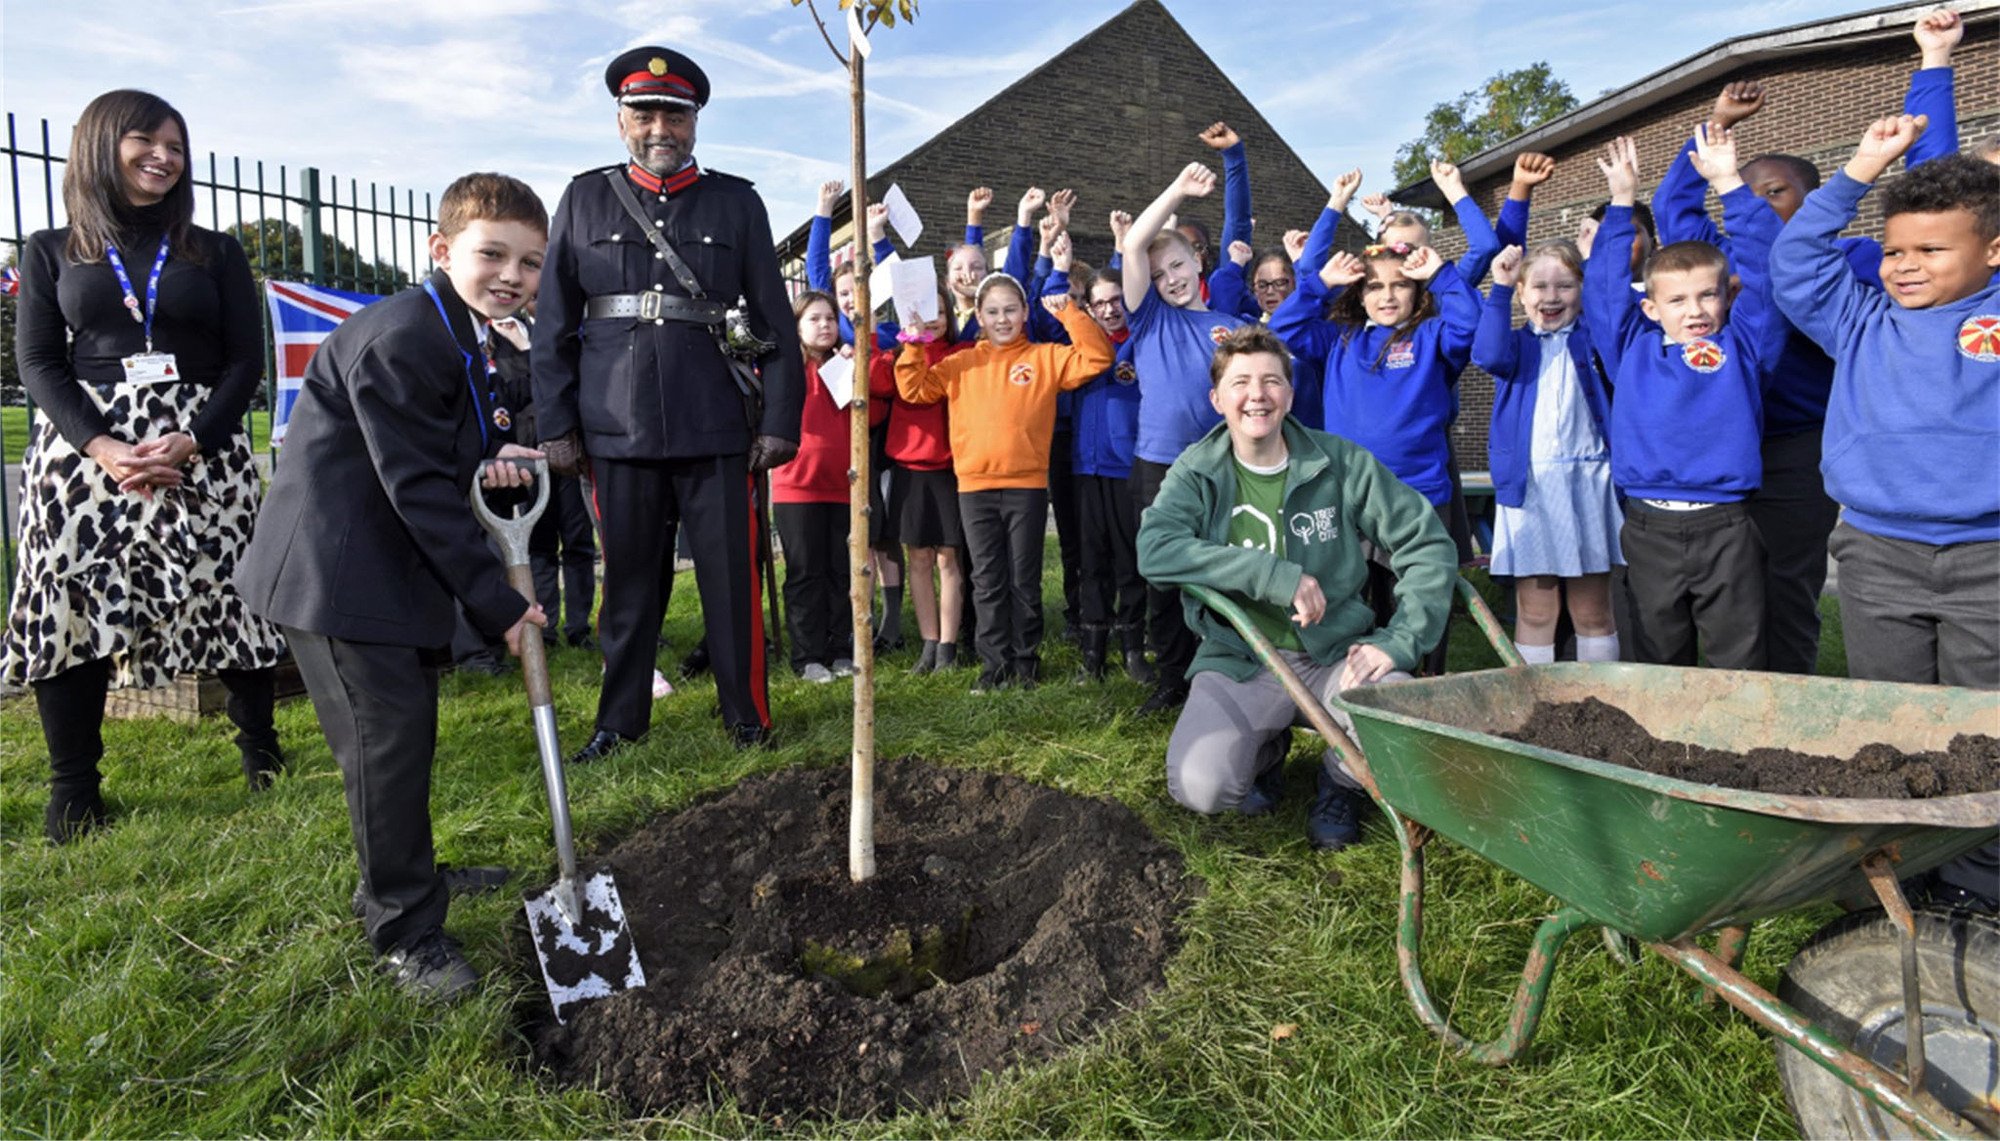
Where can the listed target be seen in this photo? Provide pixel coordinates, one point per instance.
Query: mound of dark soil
(1604, 732)
(1059, 913)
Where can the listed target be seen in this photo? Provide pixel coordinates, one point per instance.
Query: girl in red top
(809, 508)
(923, 496)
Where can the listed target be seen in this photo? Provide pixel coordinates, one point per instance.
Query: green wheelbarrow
(1663, 860)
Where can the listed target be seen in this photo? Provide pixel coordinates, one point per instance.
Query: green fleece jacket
(1336, 495)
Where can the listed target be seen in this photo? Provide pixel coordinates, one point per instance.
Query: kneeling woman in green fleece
(1275, 514)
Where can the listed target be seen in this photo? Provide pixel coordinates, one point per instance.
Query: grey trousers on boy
(1231, 731)
(1695, 572)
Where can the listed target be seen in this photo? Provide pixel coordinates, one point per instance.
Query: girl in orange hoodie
(1001, 395)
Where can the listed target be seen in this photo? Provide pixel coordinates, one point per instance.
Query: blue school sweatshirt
(1171, 349)
(1681, 430)
(1912, 443)
(1396, 400)
(819, 275)
(1514, 357)
(1106, 417)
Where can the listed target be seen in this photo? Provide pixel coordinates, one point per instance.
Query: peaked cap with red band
(653, 76)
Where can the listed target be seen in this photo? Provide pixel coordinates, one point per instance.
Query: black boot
(71, 705)
(927, 659)
(947, 656)
(252, 698)
(1133, 638)
(1093, 640)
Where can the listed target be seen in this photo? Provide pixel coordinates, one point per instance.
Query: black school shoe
(752, 737)
(1165, 697)
(457, 882)
(990, 679)
(602, 744)
(430, 968)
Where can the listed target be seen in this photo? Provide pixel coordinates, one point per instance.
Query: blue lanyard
(472, 368)
(143, 316)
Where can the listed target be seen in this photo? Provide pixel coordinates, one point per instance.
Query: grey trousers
(1927, 614)
(1695, 572)
(1231, 731)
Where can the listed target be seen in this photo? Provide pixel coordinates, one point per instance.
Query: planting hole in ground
(1007, 921)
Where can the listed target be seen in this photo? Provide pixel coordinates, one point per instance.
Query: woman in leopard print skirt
(140, 340)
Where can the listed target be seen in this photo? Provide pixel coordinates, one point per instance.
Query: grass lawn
(194, 970)
(14, 432)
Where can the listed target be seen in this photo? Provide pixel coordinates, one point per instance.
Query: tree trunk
(861, 575)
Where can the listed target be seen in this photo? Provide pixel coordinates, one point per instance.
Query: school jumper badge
(1979, 338)
(1703, 355)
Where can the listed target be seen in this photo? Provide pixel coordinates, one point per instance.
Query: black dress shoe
(696, 661)
(751, 737)
(581, 640)
(602, 744)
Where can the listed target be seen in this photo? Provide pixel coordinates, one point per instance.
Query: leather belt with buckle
(655, 306)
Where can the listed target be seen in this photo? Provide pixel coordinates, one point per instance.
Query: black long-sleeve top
(74, 328)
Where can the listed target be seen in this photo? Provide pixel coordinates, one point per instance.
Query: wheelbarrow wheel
(1847, 981)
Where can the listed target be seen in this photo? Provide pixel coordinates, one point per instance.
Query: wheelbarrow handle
(512, 532)
(1489, 624)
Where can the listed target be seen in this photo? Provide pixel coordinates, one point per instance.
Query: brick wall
(1816, 104)
(1114, 117)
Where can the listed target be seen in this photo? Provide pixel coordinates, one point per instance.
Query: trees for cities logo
(1979, 338)
(1703, 356)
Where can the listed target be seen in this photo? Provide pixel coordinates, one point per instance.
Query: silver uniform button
(659, 320)
(705, 239)
(659, 257)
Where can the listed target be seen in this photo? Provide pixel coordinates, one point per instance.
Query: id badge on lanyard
(148, 367)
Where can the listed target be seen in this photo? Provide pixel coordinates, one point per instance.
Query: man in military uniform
(633, 389)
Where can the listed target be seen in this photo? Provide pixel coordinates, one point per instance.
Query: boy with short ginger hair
(366, 539)
(1687, 420)
(1275, 514)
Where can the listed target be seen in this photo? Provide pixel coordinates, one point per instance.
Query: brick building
(1823, 83)
(1113, 116)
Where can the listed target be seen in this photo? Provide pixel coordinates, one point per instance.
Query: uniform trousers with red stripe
(640, 503)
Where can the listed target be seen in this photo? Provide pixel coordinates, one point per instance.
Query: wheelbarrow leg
(1914, 1107)
(1536, 974)
(1882, 877)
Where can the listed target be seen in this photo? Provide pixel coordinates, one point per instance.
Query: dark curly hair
(1953, 182)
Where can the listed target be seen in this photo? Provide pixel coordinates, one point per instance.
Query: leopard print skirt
(143, 581)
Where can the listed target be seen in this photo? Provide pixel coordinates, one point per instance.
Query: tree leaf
(1283, 1030)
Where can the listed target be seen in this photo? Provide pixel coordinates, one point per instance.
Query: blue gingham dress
(1568, 521)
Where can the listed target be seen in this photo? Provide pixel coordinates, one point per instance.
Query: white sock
(1603, 649)
(1536, 655)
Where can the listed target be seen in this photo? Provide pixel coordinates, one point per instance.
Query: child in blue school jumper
(1556, 528)
(1174, 335)
(1793, 514)
(1398, 333)
(1688, 419)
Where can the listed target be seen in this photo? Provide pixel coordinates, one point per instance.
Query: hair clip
(1400, 249)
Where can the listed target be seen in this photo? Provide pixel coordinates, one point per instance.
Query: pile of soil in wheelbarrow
(1604, 732)
(1028, 919)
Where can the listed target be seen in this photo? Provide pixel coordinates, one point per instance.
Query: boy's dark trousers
(817, 616)
(377, 706)
(1794, 516)
(563, 552)
(1063, 506)
(1004, 527)
(1173, 643)
(1111, 591)
(1696, 572)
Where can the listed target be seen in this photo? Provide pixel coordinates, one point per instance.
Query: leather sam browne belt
(654, 306)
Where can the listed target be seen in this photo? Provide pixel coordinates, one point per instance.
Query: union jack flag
(301, 317)
(10, 282)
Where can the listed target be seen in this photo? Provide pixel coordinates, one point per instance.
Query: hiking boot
(430, 968)
(1335, 819)
(927, 658)
(1265, 792)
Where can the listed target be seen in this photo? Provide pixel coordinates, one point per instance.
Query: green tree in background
(1500, 108)
(276, 249)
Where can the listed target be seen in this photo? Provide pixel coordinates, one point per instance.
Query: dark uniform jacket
(367, 534)
(638, 389)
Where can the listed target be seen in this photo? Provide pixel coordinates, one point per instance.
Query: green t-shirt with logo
(1257, 522)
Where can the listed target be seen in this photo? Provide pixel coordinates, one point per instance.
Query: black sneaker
(1165, 697)
(431, 968)
(1335, 819)
(1265, 792)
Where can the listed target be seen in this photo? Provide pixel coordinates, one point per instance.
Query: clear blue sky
(415, 92)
